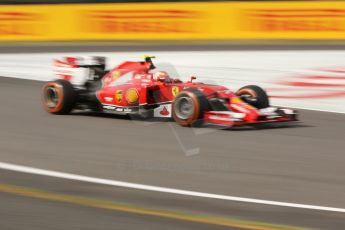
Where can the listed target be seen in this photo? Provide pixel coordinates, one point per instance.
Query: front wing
(267, 115)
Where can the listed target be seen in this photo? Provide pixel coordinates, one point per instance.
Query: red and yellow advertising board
(174, 21)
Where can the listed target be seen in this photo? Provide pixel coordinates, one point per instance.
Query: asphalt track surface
(51, 47)
(299, 163)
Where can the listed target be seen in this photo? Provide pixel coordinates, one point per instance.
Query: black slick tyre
(254, 95)
(59, 97)
(189, 107)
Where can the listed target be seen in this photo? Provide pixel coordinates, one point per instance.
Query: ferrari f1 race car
(133, 88)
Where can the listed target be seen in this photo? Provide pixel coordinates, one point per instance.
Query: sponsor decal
(110, 107)
(114, 109)
(240, 105)
(132, 96)
(118, 95)
(295, 20)
(20, 23)
(123, 110)
(108, 99)
(141, 21)
(115, 75)
(164, 112)
(175, 90)
(236, 100)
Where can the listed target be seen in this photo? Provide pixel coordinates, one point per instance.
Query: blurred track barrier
(174, 21)
(301, 79)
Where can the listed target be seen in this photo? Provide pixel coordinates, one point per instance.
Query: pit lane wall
(174, 21)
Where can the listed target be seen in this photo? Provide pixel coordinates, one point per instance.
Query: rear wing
(78, 70)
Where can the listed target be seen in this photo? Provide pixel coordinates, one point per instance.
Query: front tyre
(59, 97)
(189, 107)
(254, 95)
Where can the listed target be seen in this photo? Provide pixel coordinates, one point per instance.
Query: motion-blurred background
(294, 49)
(107, 20)
(292, 76)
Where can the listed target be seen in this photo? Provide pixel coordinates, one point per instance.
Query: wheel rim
(249, 97)
(51, 97)
(184, 107)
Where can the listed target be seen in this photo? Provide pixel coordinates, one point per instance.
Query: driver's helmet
(161, 76)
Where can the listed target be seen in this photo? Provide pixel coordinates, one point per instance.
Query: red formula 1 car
(133, 88)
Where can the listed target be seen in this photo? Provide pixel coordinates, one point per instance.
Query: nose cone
(251, 116)
(238, 105)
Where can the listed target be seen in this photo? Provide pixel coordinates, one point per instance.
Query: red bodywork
(140, 86)
(131, 86)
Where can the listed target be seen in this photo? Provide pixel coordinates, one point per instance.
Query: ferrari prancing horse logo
(115, 75)
(118, 95)
(175, 90)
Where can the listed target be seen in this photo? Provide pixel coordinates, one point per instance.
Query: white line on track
(43, 172)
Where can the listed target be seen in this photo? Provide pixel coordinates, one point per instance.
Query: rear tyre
(59, 97)
(189, 107)
(254, 95)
